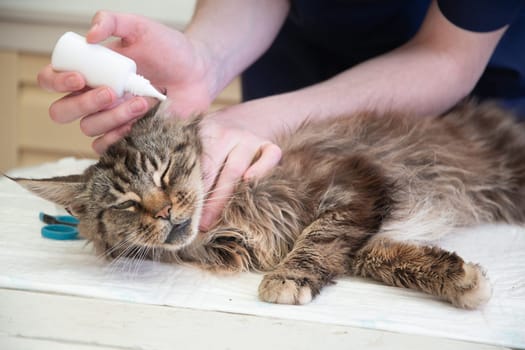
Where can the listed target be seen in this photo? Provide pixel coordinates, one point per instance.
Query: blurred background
(28, 32)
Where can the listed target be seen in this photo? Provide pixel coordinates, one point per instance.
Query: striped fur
(357, 195)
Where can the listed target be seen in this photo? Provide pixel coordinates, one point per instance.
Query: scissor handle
(61, 227)
(59, 232)
(58, 219)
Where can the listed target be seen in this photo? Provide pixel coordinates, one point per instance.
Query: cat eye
(163, 178)
(125, 205)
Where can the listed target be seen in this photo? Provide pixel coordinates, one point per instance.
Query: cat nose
(164, 213)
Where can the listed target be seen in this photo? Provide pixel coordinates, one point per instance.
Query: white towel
(30, 262)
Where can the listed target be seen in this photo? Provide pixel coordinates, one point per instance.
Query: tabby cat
(360, 195)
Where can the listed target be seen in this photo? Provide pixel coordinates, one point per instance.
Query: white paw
(281, 290)
(478, 289)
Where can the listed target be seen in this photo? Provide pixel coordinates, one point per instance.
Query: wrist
(267, 117)
(217, 51)
(233, 34)
(209, 66)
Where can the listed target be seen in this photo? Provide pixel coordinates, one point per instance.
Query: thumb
(106, 24)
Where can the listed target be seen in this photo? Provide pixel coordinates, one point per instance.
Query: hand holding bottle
(186, 79)
(100, 66)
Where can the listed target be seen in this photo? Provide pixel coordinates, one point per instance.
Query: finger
(101, 144)
(211, 167)
(212, 161)
(51, 80)
(234, 167)
(75, 106)
(268, 159)
(101, 123)
(102, 26)
(106, 24)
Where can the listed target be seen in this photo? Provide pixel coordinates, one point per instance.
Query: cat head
(145, 191)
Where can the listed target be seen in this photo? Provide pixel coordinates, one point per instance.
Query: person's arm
(426, 76)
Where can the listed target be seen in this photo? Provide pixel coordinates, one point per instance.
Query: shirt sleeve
(481, 15)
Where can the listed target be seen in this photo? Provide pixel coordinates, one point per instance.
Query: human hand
(170, 60)
(231, 153)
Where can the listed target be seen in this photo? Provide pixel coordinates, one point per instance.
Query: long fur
(356, 195)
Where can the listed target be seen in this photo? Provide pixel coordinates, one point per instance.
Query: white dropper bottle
(100, 66)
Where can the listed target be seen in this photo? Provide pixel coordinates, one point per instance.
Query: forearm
(414, 79)
(235, 33)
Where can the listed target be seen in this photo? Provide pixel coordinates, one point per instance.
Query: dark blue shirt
(321, 38)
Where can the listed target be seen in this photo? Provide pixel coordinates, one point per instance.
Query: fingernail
(97, 147)
(103, 97)
(204, 228)
(73, 83)
(204, 223)
(137, 106)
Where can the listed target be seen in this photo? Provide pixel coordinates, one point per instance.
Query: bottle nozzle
(138, 85)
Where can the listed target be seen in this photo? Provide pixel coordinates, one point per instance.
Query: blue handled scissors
(60, 227)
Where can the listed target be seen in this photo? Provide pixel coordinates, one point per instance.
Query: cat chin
(180, 243)
(180, 234)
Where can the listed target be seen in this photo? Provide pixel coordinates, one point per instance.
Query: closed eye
(126, 205)
(163, 177)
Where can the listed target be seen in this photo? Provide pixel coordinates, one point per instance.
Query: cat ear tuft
(163, 110)
(62, 190)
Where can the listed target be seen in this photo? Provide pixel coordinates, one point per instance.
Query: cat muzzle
(178, 232)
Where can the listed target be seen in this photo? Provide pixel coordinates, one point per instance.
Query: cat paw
(475, 288)
(279, 289)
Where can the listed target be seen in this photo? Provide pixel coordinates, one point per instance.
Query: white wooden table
(41, 321)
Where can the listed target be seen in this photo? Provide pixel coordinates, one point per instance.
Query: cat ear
(62, 190)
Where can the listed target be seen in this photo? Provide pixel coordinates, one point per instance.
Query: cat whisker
(120, 262)
(128, 247)
(215, 199)
(226, 196)
(127, 241)
(136, 262)
(116, 247)
(215, 189)
(107, 255)
(133, 255)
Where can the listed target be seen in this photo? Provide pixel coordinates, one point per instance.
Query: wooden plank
(36, 130)
(29, 66)
(32, 156)
(19, 343)
(8, 119)
(29, 316)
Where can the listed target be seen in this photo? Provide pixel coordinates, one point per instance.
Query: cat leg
(320, 254)
(225, 251)
(349, 212)
(428, 269)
